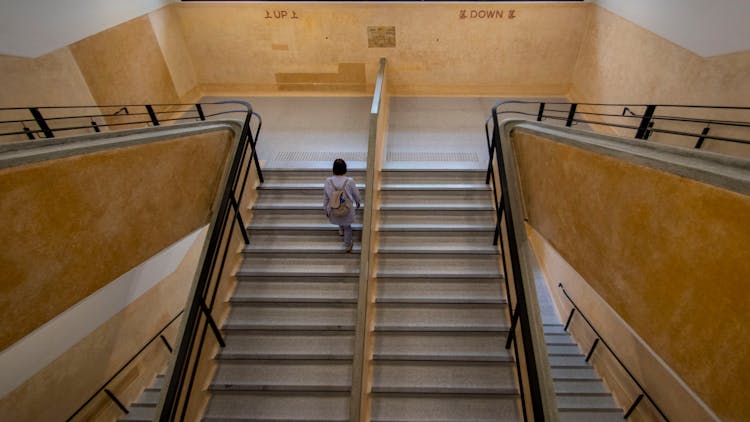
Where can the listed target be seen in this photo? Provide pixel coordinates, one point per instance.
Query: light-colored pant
(347, 234)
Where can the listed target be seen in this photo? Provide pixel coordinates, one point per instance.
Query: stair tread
(278, 406)
(297, 185)
(477, 357)
(435, 227)
(299, 226)
(446, 390)
(422, 206)
(300, 247)
(447, 300)
(435, 186)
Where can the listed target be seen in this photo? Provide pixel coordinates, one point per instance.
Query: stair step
(298, 186)
(561, 361)
(558, 339)
(444, 407)
(296, 203)
(444, 218)
(307, 267)
(445, 289)
(293, 291)
(446, 249)
(320, 228)
(440, 316)
(587, 402)
(573, 373)
(478, 205)
(279, 249)
(458, 241)
(140, 414)
(286, 345)
(615, 415)
(278, 406)
(484, 346)
(554, 329)
(278, 175)
(426, 227)
(475, 266)
(284, 375)
(437, 176)
(148, 398)
(439, 187)
(443, 377)
(591, 387)
(291, 317)
(564, 350)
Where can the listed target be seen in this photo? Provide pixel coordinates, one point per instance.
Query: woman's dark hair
(339, 167)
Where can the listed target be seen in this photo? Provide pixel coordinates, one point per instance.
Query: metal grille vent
(320, 156)
(432, 156)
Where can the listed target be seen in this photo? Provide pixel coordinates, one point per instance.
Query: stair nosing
(438, 391)
(392, 357)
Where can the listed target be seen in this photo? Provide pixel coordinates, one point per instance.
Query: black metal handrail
(644, 124)
(600, 339)
(519, 312)
(39, 124)
(212, 266)
(159, 334)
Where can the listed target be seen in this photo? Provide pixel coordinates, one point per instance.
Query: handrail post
(645, 120)
(541, 112)
(633, 406)
(571, 115)
(199, 108)
(699, 144)
(117, 401)
(152, 115)
(41, 122)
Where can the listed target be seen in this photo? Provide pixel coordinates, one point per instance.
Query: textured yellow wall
(125, 65)
(670, 255)
(168, 31)
(74, 224)
(621, 62)
(73, 377)
(235, 48)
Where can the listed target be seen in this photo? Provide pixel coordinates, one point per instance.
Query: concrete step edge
(297, 388)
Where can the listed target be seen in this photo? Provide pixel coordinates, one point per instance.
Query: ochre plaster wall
(73, 377)
(72, 225)
(668, 391)
(670, 255)
(620, 62)
(125, 65)
(235, 48)
(168, 31)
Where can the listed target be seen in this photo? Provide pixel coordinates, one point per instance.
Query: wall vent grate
(432, 156)
(320, 156)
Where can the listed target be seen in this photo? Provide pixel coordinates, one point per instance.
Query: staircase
(441, 315)
(290, 333)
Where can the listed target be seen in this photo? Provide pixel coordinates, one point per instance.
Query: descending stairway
(144, 408)
(441, 316)
(581, 394)
(290, 333)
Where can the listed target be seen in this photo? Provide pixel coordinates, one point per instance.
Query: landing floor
(424, 132)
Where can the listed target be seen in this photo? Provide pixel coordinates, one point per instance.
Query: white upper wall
(31, 28)
(707, 28)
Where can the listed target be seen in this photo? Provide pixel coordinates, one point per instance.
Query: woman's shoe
(341, 231)
(348, 248)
